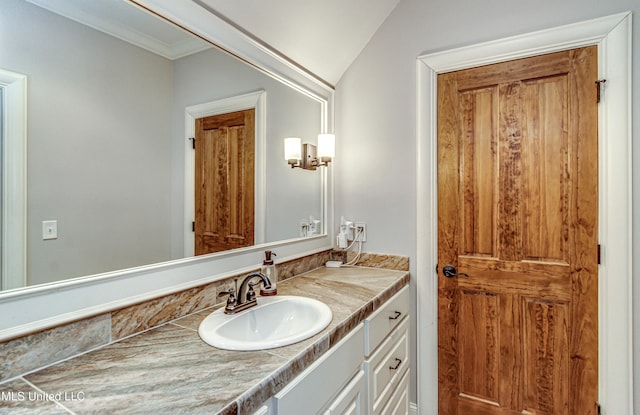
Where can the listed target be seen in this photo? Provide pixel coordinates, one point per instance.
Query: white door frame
(257, 100)
(612, 35)
(14, 176)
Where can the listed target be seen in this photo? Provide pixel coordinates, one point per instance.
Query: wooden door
(517, 213)
(224, 182)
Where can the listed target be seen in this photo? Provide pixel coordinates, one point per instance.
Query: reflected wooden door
(517, 213)
(224, 182)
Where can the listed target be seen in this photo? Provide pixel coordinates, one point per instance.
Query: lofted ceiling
(323, 36)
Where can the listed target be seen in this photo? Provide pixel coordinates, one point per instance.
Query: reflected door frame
(256, 100)
(14, 181)
(612, 35)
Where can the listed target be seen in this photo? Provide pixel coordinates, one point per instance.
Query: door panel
(517, 209)
(224, 182)
(546, 361)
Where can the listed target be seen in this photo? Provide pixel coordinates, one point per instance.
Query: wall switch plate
(49, 229)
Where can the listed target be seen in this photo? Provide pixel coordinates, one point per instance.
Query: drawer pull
(398, 363)
(396, 316)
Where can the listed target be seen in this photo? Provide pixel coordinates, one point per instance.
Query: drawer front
(313, 389)
(386, 367)
(399, 402)
(351, 400)
(264, 410)
(384, 320)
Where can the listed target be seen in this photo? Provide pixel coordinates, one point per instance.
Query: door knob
(449, 271)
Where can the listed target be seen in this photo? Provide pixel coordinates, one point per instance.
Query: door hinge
(193, 142)
(599, 254)
(598, 408)
(599, 85)
(193, 226)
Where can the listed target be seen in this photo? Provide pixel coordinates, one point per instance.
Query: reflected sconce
(308, 156)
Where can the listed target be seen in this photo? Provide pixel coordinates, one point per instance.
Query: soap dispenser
(269, 270)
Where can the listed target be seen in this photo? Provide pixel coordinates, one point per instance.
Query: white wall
(376, 108)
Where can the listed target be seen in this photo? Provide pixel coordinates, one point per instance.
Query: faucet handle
(231, 293)
(251, 295)
(231, 300)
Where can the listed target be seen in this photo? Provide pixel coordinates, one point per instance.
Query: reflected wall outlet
(49, 229)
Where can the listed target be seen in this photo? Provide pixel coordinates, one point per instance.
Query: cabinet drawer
(399, 402)
(264, 410)
(351, 400)
(319, 383)
(386, 367)
(384, 320)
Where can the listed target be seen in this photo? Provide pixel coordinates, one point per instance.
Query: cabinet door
(351, 400)
(313, 389)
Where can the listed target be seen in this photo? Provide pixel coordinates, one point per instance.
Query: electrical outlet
(360, 227)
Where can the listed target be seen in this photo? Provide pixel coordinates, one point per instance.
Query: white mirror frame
(40, 307)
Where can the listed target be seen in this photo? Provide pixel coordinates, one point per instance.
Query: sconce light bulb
(292, 149)
(326, 146)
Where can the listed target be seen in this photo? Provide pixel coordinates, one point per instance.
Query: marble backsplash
(34, 351)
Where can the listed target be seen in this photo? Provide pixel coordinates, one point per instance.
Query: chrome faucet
(246, 297)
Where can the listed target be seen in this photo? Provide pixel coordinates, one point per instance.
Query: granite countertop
(169, 369)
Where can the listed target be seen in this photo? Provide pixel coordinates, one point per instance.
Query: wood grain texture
(448, 162)
(479, 170)
(225, 167)
(517, 211)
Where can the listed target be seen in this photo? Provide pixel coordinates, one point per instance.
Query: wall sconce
(308, 156)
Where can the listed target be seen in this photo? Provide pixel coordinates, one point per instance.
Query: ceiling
(322, 36)
(131, 24)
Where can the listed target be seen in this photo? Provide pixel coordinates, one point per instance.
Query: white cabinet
(366, 373)
(321, 388)
(399, 402)
(386, 362)
(352, 399)
(264, 410)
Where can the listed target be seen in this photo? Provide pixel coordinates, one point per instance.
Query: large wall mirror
(112, 92)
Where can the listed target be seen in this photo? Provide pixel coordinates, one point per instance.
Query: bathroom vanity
(358, 364)
(365, 373)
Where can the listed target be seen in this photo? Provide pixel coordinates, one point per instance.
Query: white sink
(274, 322)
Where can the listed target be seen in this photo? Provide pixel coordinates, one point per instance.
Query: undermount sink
(276, 321)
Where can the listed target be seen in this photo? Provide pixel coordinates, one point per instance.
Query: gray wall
(106, 143)
(376, 107)
(212, 75)
(98, 144)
